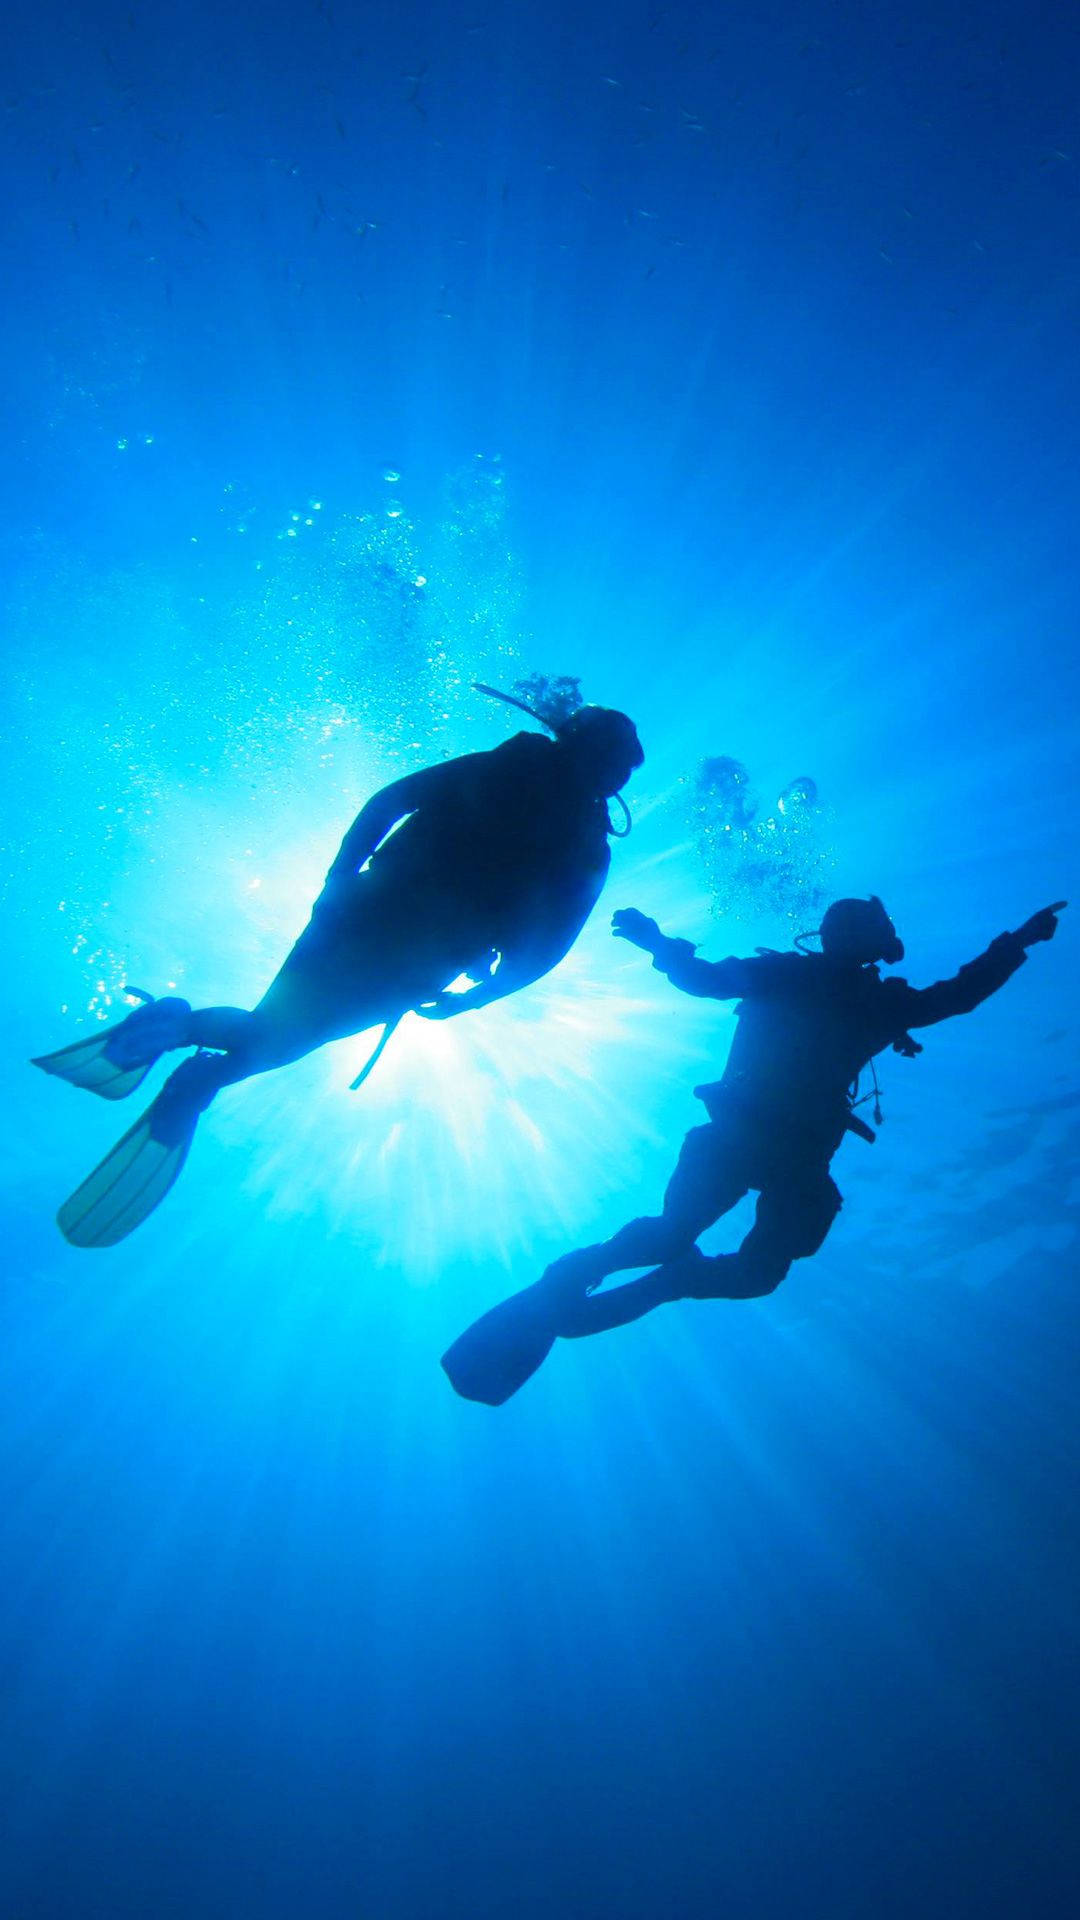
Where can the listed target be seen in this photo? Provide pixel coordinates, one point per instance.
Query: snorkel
(511, 700)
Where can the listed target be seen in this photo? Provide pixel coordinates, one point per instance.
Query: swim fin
(87, 1064)
(504, 1348)
(114, 1062)
(135, 1177)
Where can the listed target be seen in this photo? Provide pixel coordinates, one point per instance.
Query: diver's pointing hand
(629, 924)
(1041, 926)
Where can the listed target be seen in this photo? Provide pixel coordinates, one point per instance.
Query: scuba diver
(492, 875)
(808, 1024)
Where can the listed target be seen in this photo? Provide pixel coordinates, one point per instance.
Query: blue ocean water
(727, 359)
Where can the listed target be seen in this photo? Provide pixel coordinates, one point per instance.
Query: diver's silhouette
(493, 875)
(808, 1024)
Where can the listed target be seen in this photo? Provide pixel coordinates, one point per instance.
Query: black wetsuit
(807, 1025)
(502, 856)
(495, 864)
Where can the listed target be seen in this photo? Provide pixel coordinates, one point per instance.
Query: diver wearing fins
(808, 1024)
(497, 860)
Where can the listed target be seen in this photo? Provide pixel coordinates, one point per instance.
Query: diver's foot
(148, 1032)
(187, 1092)
(573, 1274)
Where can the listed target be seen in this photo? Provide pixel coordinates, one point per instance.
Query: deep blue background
(728, 358)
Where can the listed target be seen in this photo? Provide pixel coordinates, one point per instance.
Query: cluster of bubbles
(275, 695)
(772, 865)
(552, 697)
(386, 620)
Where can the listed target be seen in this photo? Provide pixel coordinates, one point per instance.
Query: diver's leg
(707, 1182)
(704, 1185)
(165, 1026)
(241, 1044)
(299, 1012)
(600, 1312)
(253, 1042)
(501, 1350)
(792, 1222)
(225, 1029)
(793, 1218)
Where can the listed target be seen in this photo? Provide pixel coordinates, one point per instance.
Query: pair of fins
(135, 1177)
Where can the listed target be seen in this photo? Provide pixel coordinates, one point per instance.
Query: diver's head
(859, 932)
(602, 748)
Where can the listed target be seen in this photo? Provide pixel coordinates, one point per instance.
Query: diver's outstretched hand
(629, 924)
(1041, 926)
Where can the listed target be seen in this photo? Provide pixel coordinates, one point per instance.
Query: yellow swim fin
(135, 1177)
(87, 1064)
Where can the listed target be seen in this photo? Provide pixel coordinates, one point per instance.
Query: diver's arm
(529, 962)
(508, 977)
(981, 977)
(382, 812)
(705, 979)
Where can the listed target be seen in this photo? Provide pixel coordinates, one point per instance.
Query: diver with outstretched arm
(808, 1024)
(487, 865)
